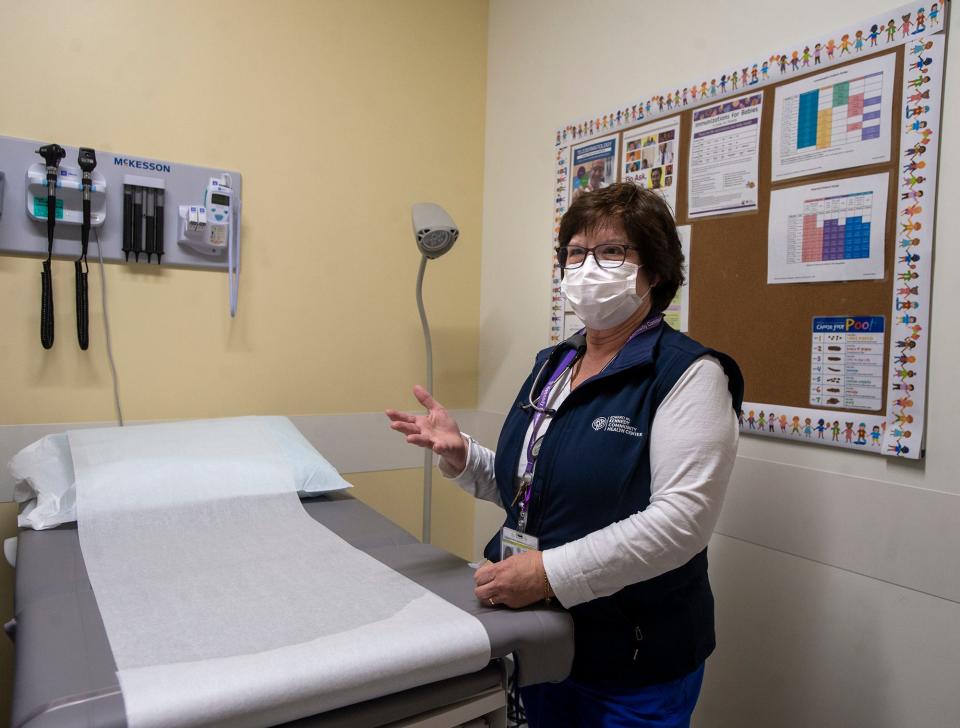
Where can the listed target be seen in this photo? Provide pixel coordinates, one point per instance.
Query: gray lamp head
(435, 230)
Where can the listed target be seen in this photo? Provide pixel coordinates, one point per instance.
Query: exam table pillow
(44, 480)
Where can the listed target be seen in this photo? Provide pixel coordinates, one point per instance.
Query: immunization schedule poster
(724, 157)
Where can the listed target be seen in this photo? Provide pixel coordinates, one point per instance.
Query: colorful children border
(920, 28)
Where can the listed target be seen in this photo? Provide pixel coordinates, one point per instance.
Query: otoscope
(88, 162)
(52, 154)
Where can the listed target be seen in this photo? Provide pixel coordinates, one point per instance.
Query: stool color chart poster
(831, 231)
(846, 362)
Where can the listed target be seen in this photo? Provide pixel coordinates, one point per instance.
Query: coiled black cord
(46, 306)
(83, 308)
(46, 274)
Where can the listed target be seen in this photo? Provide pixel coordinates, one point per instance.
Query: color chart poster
(831, 231)
(835, 120)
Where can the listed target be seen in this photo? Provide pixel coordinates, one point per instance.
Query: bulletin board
(803, 185)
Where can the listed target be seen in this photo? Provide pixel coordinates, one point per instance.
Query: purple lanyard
(533, 450)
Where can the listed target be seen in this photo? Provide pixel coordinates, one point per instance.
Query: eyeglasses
(607, 255)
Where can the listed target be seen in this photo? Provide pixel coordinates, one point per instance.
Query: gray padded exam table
(65, 671)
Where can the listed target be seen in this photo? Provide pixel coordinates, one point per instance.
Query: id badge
(513, 542)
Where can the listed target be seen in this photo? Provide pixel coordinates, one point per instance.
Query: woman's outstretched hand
(436, 429)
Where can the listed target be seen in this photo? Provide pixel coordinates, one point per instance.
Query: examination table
(65, 671)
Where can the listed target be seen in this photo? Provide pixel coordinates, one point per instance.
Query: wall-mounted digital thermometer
(213, 228)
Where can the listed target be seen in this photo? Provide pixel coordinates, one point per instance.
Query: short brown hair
(649, 225)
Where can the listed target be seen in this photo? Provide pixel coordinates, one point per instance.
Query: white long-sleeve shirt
(693, 444)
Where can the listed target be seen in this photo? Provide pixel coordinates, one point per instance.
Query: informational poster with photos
(593, 166)
(649, 158)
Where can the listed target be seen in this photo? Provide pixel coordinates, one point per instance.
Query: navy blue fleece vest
(594, 469)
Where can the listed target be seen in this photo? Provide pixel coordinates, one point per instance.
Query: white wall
(836, 573)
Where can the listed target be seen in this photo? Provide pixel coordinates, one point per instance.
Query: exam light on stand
(436, 233)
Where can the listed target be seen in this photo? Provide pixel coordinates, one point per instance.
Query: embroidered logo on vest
(618, 424)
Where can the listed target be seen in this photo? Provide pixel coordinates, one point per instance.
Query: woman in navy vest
(612, 467)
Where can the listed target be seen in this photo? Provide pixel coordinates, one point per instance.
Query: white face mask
(603, 297)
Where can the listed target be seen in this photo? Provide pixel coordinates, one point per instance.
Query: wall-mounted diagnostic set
(142, 211)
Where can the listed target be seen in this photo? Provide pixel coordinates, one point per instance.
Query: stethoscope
(577, 342)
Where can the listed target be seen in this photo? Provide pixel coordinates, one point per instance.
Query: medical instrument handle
(52, 154)
(427, 452)
(137, 223)
(127, 221)
(158, 230)
(79, 267)
(151, 242)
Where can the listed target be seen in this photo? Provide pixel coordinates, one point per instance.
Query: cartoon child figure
(831, 47)
(816, 54)
(891, 30)
(765, 70)
(907, 25)
(821, 426)
(898, 448)
(753, 75)
(861, 434)
(795, 60)
(875, 435)
(858, 41)
(807, 427)
(806, 57)
(783, 63)
(845, 44)
(771, 421)
(935, 14)
(783, 423)
(848, 432)
(795, 426)
(751, 420)
(874, 34)
(761, 421)
(921, 24)
(835, 431)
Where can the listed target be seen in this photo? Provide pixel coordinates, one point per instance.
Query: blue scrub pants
(569, 703)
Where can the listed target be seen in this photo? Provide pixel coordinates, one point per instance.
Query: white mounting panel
(184, 185)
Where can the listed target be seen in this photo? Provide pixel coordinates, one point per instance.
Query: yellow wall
(379, 103)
